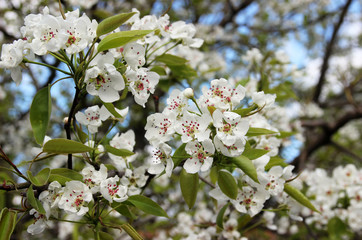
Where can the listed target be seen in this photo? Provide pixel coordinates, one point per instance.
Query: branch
(69, 122)
(346, 151)
(324, 137)
(234, 11)
(14, 187)
(328, 52)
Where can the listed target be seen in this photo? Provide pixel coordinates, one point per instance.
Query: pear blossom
(253, 56)
(192, 127)
(222, 95)
(44, 32)
(230, 126)
(201, 156)
(160, 127)
(234, 150)
(90, 118)
(80, 31)
(272, 180)
(50, 198)
(263, 100)
(106, 114)
(123, 141)
(75, 198)
(186, 32)
(134, 54)
(249, 201)
(103, 79)
(39, 224)
(134, 179)
(112, 190)
(177, 103)
(161, 160)
(93, 178)
(142, 83)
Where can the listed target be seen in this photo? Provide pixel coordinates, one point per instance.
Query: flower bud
(189, 93)
(65, 120)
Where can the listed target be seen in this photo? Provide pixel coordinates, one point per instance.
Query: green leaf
(159, 70)
(275, 161)
(35, 203)
(245, 111)
(337, 229)
(7, 223)
(214, 172)
(253, 153)
(105, 236)
(123, 210)
(63, 175)
(111, 23)
(64, 146)
(189, 184)
(118, 152)
(83, 137)
(227, 184)
(299, 197)
(258, 131)
(171, 60)
(285, 134)
(41, 178)
(220, 216)
(40, 111)
(131, 231)
(119, 39)
(112, 110)
(147, 205)
(180, 155)
(247, 166)
(183, 71)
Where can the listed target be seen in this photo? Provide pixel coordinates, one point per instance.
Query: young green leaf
(119, 39)
(189, 184)
(220, 216)
(40, 111)
(105, 236)
(118, 152)
(275, 161)
(247, 166)
(7, 223)
(111, 23)
(299, 197)
(112, 110)
(171, 60)
(131, 231)
(258, 131)
(253, 153)
(35, 203)
(227, 184)
(63, 175)
(147, 205)
(64, 146)
(180, 155)
(245, 111)
(41, 178)
(123, 210)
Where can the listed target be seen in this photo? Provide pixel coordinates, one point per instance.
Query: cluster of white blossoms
(75, 196)
(336, 196)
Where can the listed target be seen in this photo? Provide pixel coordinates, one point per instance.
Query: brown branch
(233, 12)
(322, 138)
(14, 187)
(346, 151)
(328, 52)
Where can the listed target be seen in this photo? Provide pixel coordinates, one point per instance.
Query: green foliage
(299, 197)
(337, 229)
(247, 166)
(41, 178)
(7, 223)
(275, 161)
(227, 184)
(253, 153)
(189, 184)
(147, 205)
(220, 216)
(40, 112)
(34, 202)
(119, 39)
(111, 23)
(63, 175)
(64, 146)
(252, 132)
(180, 155)
(118, 152)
